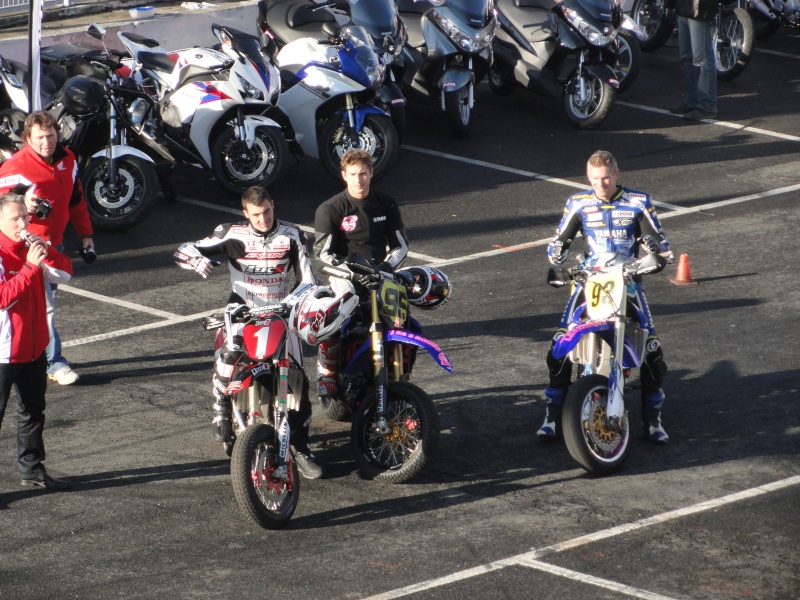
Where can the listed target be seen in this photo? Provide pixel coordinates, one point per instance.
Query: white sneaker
(64, 376)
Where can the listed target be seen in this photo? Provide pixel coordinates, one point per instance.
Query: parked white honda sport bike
(206, 107)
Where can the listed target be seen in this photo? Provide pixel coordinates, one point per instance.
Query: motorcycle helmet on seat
(320, 315)
(430, 287)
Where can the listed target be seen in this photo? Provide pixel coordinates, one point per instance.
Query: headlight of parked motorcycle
(249, 89)
(589, 31)
(461, 38)
(137, 111)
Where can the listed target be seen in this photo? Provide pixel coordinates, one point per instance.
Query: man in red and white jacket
(49, 171)
(26, 263)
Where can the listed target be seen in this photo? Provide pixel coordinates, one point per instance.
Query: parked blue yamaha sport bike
(606, 338)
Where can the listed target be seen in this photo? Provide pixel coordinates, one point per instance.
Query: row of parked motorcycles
(316, 80)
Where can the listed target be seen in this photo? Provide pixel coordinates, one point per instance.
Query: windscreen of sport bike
(249, 46)
(378, 17)
(361, 62)
(474, 13)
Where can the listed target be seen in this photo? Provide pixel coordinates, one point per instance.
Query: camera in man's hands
(43, 208)
(88, 254)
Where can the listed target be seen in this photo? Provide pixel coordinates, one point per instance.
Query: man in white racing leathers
(260, 251)
(611, 218)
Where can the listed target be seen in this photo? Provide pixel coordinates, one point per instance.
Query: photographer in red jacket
(26, 263)
(49, 173)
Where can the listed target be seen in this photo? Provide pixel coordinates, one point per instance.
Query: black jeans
(30, 379)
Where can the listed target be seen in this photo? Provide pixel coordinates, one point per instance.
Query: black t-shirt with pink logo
(372, 226)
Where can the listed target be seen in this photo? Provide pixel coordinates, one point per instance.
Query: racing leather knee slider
(560, 371)
(653, 400)
(653, 370)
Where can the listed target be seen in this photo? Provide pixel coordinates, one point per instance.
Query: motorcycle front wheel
(377, 136)
(268, 499)
(137, 185)
(649, 16)
(237, 167)
(733, 41)
(457, 110)
(629, 60)
(596, 447)
(414, 433)
(587, 111)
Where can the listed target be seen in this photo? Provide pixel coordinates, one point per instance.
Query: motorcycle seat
(409, 6)
(302, 14)
(47, 86)
(547, 4)
(140, 39)
(533, 22)
(156, 61)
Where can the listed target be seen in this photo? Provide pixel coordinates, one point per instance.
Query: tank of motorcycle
(200, 57)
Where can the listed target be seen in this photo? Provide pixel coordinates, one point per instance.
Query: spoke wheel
(649, 16)
(265, 494)
(733, 40)
(414, 433)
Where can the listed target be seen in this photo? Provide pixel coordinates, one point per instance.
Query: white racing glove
(188, 257)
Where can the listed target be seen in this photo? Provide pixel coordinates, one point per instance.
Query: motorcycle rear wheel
(592, 112)
(263, 164)
(403, 453)
(335, 409)
(649, 16)
(733, 43)
(378, 136)
(138, 186)
(501, 78)
(267, 500)
(629, 60)
(458, 111)
(599, 449)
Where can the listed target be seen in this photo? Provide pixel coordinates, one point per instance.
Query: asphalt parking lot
(497, 514)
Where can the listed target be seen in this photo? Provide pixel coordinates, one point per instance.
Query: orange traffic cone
(684, 275)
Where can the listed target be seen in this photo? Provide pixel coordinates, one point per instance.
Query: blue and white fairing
(411, 336)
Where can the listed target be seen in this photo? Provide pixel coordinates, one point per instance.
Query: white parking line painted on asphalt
(530, 174)
(776, 53)
(123, 303)
(138, 329)
(729, 125)
(531, 559)
(305, 228)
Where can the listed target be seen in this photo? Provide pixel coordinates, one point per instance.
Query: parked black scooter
(563, 50)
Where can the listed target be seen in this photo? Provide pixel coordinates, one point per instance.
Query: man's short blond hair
(602, 158)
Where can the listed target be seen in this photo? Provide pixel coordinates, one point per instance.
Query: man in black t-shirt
(361, 220)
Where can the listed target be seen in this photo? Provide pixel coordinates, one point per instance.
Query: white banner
(34, 58)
